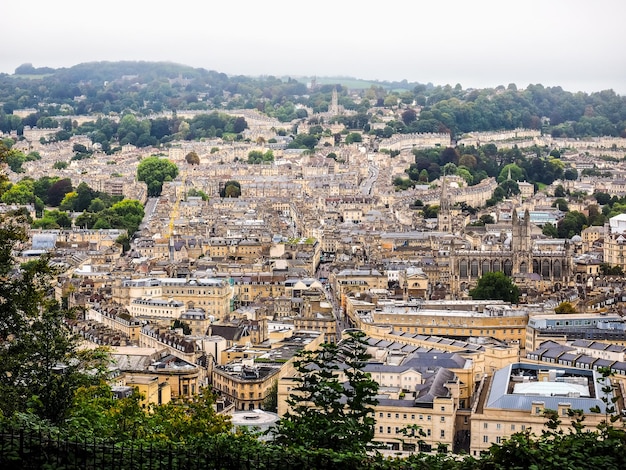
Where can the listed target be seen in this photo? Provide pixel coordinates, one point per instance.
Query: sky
(579, 45)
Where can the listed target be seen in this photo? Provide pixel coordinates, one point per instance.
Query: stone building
(519, 256)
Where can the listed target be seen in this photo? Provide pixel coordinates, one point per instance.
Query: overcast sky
(579, 45)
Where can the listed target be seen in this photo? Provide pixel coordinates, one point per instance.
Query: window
(421, 417)
(388, 429)
(413, 417)
(380, 429)
(512, 427)
(442, 434)
(498, 440)
(443, 419)
(485, 425)
(388, 415)
(428, 418)
(380, 415)
(443, 409)
(428, 432)
(498, 426)
(485, 439)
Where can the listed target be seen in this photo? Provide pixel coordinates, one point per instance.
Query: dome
(577, 239)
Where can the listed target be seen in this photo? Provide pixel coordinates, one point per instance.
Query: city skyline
(478, 44)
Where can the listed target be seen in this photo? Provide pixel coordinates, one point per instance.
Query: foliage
(231, 188)
(324, 411)
(193, 192)
(561, 204)
(182, 325)
(41, 364)
(270, 402)
(565, 307)
(572, 224)
(58, 190)
(495, 285)
(192, 158)
(96, 414)
(155, 171)
(256, 157)
(483, 220)
(549, 230)
(609, 270)
(430, 211)
(402, 184)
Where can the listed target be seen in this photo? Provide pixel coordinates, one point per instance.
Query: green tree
(608, 270)
(571, 174)
(517, 173)
(96, 205)
(549, 230)
(41, 365)
(561, 204)
(194, 192)
(602, 198)
(192, 158)
(58, 190)
(353, 137)
(20, 193)
(430, 212)
(154, 171)
(495, 286)
(231, 189)
(572, 224)
(565, 307)
(332, 403)
(270, 403)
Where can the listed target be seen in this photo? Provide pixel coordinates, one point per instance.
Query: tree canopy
(332, 403)
(495, 286)
(154, 171)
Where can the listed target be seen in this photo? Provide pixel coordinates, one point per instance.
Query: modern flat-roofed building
(515, 398)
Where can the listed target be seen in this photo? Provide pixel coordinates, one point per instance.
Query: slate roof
(500, 397)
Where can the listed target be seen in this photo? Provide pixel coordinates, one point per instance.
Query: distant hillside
(109, 71)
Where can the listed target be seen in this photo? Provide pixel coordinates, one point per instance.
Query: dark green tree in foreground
(332, 404)
(495, 286)
(154, 171)
(41, 364)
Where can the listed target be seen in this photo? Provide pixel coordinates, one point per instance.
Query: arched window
(556, 269)
(545, 269)
(508, 267)
(486, 267)
(474, 268)
(463, 269)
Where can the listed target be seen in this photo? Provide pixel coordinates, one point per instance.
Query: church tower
(444, 216)
(521, 245)
(334, 104)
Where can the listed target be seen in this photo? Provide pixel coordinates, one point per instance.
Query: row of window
(397, 430)
(420, 417)
(499, 426)
(513, 331)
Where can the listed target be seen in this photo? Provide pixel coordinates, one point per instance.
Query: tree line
(142, 89)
